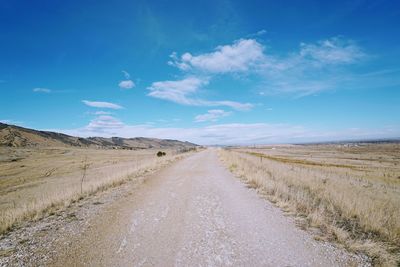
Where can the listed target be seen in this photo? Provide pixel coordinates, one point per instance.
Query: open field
(351, 193)
(193, 212)
(34, 181)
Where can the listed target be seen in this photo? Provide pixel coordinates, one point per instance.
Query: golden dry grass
(35, 181)
(351, 193)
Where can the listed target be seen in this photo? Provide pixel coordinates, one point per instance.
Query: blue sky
(210, 72)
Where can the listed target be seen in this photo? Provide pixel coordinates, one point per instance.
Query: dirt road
(195, 213)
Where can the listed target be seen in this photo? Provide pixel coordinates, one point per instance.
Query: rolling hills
(16, 136)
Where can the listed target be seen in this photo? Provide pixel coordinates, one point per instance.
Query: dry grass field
(350, 193)
(36, 181)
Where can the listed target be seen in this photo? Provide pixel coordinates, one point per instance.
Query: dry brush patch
(36, 182)
(351, 194)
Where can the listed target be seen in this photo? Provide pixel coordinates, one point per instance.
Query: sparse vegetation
(85, 166)
(37, 181)
(351, 193)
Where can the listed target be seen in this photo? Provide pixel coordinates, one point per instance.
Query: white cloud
(41, 90)
(127, 84)
(313, 68)
(102, 113)
(98, 104)
(242, 55)
(261, 32)
(257, 34)
(177, 91)
(104, 124)
(228, 134)
(332, 51)
(212, 115)
(183, 91)
(231, 104)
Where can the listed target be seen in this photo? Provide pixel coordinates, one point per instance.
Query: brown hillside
(15, 136)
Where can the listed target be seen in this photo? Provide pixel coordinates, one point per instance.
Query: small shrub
(161, 153)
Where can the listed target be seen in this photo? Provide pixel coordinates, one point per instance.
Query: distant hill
(15, 136)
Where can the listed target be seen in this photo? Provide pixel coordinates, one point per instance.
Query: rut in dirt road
(195, 213)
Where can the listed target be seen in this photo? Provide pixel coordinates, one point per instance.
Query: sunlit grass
(353, 196)
(43, 180)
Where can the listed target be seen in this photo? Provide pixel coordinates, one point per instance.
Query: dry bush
(346, 200)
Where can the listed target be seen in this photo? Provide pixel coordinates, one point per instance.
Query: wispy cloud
(332, 51)
(212, 115)
(183, 92)
(104, 124)
(257, 34)
(99, 104)
(101, 112)
(313, 68)
(41, 90)
(241, 56)
(127, 83)
(226, 103)
(261, 32)
(126, 74)
(177, 91)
